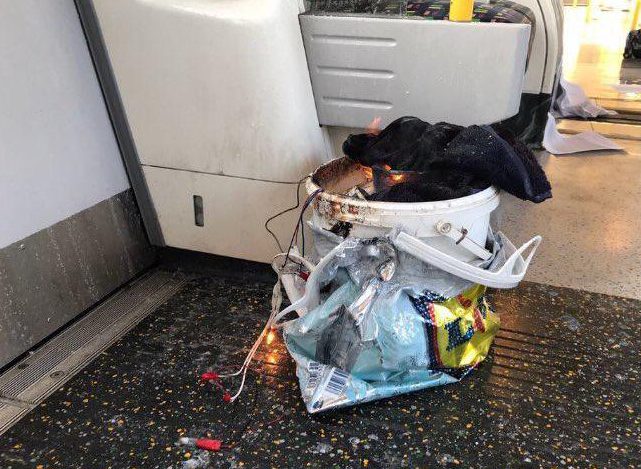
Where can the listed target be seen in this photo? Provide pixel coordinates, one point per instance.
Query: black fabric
(529, 124)
(530, 178)
(508, 165)
(435, 185)
(456, 161)
(404, 144)
(633, 45)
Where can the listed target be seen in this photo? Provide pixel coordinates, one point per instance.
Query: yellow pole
(635, 15)
(461, 10)
(588, 11)
(574, 2)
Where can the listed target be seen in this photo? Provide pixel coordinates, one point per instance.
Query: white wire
(276, 301)
(245, 366)
(242, 385)
(253, 350)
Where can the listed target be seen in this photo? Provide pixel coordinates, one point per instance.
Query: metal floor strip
(34, 378)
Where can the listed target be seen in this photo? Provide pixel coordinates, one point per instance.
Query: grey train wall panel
(51, 276)
(70, 229)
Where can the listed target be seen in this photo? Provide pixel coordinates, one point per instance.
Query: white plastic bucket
(421, 236)
(369, 219)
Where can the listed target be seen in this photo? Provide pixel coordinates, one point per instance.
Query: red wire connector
(202, 443)
(210, 376)
(209, 445)
(215, 378)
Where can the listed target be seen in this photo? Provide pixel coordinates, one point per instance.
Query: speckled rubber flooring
(560, 389)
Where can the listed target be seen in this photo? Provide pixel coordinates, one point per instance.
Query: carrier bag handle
(311, 298)
(508, 276)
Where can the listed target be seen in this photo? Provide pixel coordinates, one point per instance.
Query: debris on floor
(559, 144)
(198, 460)
(573, 102)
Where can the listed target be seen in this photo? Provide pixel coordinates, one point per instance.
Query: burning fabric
(445, 161)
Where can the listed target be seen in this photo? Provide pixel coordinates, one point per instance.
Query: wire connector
(210, 376)
(202, 443)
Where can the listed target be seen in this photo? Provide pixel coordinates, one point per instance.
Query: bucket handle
(459, 236)
(505, 277)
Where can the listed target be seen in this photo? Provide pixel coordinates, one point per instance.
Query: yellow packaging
(464, 327)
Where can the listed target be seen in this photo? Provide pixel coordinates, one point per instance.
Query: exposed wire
(245, 366)
(302, 237)
(309, 200)
(280, 247)
(302, 222)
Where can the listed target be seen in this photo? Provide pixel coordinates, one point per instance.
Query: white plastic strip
(507, 276)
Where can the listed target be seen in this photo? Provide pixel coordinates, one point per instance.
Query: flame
(274, 358)
(387, 167)
(374, 127)
(397, 177)
(369, 174)
(270, 337)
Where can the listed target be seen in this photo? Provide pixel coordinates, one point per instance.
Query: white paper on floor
(573, 102)
(558, 144)
(628, 88)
